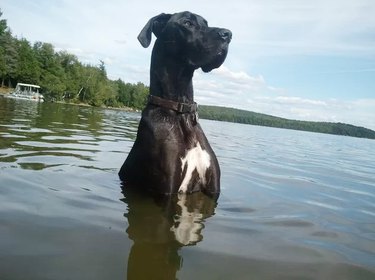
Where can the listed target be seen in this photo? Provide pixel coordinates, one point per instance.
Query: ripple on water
(299, 203)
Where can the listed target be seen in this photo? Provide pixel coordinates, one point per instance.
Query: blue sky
(307, 60)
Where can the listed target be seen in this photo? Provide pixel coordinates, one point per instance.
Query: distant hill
(247, 117)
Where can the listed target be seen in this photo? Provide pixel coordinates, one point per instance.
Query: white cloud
(240, 90)
(232, 85)
(299, 101)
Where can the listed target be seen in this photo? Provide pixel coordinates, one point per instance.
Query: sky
(297, 59)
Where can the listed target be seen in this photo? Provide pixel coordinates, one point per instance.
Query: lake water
(294, 205)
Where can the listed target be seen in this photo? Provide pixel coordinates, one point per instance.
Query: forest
(63, 77)
(247, 117)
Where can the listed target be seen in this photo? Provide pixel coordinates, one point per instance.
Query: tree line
(61, 75)
(247, 117)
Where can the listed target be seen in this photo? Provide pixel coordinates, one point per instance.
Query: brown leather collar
(173, 105)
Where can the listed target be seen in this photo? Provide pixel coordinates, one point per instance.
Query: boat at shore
(26, 92)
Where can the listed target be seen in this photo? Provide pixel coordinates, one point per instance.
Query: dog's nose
(225, 34)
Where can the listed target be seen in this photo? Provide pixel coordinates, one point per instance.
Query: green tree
(124, 92)
(9, 59)
(3, 24)
(72, 68)
(102, 69)
(3, 65)
(52, 78)
(28, 69)
(95, 88)
(132, 95)
(139, 97)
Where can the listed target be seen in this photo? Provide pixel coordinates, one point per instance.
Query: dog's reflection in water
(159, 227)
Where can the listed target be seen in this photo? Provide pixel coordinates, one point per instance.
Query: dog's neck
(169, 79)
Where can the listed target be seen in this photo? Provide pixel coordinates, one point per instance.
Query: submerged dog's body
(171, 153)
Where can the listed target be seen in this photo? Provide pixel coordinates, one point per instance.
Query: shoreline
(126, 109)
(247, 117)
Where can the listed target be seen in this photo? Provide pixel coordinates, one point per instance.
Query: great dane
(171, 154)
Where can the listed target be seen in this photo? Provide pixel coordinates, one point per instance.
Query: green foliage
(9, 58)
(3, 24)
(132, 95)
(246, 117)
(28, 69)
(61, 76)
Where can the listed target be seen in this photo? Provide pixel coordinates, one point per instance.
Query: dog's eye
(188, 23)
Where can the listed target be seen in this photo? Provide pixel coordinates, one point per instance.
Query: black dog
(171, 154)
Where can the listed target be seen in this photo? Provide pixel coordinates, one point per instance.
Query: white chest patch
(195, 159)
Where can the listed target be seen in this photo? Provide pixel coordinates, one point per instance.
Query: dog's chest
(195, 160)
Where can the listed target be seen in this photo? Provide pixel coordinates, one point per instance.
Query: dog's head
(187, 37)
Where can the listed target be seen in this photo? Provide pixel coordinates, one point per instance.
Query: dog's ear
(154, 25)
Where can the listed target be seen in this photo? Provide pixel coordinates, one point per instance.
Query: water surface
(294, 205)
